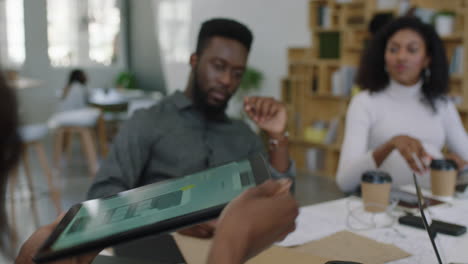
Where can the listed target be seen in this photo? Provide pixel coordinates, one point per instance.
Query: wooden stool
(102, 135)
(31, 136)
(62, 143)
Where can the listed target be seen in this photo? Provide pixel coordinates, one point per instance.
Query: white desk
(317, 221)
(24, 83)
(325, 218)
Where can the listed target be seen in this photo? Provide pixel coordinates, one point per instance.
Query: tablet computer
(156, 208)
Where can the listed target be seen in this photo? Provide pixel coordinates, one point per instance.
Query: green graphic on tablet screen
(155, 203)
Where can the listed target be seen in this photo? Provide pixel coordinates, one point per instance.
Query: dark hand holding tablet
(253, 221)
(31, 246)
(151, 209)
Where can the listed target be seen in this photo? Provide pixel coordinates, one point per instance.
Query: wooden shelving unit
(307, 90)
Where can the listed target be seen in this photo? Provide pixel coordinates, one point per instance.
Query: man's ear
(193, 60)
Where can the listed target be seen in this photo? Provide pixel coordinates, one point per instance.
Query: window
(174, 29)
(12, 50)
(104, 27)
(83, 33)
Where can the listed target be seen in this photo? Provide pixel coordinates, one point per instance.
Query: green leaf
(251, 80)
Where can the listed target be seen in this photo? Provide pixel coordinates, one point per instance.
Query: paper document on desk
(349, 246)
(321, 220)
(416, 240)
(195, 251)
(317, 221)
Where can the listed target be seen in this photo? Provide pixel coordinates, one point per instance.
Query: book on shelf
(315, 83)
(387, 4)
(357, 20)
(329, 45)
(315, 159)
(425, 14)
(316, 132)
(456, 62)
(323, 16)
(322, 132)
(336, 82)
(343, 80)
(403, 7)
(332, 132)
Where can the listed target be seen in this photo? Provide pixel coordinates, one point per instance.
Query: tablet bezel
(260, 171)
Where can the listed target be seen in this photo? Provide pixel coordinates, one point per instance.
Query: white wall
(276, 25)
(144, 55)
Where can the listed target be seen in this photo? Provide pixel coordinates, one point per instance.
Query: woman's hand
(461, 163)
(413, 152)
(35, 241)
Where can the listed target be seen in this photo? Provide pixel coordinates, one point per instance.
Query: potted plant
(251, 82)
(126, 80)
(444, 23)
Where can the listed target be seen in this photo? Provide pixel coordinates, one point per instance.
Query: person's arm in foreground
(248, 225)
(253, 221)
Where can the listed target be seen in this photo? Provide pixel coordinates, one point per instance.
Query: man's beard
(200, 97)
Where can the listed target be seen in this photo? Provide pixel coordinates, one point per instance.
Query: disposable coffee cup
(375, 187)
(443, 177)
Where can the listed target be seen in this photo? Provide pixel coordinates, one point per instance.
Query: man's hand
(203, 230)
(269, 114)
(31, 246)
(253, 221)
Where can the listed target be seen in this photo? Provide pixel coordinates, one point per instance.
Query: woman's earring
(427, 73)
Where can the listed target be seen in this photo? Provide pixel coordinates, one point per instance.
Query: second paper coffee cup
(443, 177)
(375, 186)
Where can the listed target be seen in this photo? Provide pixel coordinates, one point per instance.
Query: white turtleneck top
(375, 118)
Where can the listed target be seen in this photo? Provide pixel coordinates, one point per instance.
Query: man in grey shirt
(188, 132)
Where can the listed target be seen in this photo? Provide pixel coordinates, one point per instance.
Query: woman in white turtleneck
(403, 116)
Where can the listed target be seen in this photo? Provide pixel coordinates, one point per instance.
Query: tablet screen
(155, 203)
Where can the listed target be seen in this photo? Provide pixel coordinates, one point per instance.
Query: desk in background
(24, 83)
(324, 219)
(330, 209)
(117, 106)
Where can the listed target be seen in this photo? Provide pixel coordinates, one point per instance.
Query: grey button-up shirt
(172, 139)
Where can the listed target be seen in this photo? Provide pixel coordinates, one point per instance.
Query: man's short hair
(222, 27)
